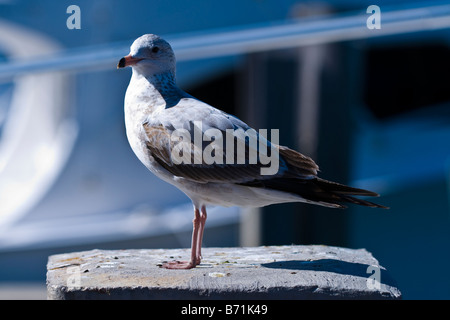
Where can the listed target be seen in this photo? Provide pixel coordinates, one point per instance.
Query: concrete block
(269, 272)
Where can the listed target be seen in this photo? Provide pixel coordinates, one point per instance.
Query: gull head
(149, 55)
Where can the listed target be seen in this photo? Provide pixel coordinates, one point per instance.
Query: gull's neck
(148, 95)
(156, 90)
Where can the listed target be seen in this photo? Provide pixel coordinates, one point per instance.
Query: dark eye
(155, 49)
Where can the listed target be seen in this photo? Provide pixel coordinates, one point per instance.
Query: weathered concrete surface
(274, 272)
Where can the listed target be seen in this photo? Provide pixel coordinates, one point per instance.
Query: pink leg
(194, 247)
(203, 217)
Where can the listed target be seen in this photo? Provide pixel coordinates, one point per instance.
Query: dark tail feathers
(336, 193)
(318, 191)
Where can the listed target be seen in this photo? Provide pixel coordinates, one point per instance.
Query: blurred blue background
(372, 109)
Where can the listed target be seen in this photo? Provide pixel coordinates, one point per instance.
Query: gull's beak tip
(122, 63)
(128, 61)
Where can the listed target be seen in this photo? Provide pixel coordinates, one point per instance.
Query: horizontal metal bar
(283, 35)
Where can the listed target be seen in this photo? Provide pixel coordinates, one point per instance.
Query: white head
(150, 55)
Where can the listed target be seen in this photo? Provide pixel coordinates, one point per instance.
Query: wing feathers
(160, 145)
(300, 163)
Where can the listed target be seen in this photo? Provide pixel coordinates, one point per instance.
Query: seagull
(157, 110)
